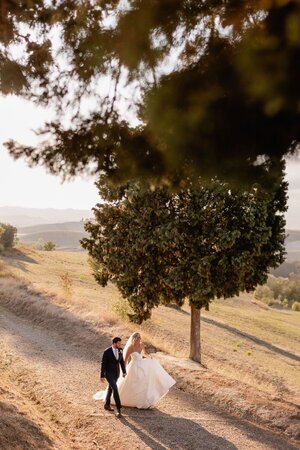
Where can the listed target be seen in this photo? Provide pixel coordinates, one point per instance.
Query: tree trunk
(195, 345)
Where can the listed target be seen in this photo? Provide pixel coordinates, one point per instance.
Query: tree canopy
(142, 87)
(198, 243)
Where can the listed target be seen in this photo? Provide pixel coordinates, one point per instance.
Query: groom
(112, 359)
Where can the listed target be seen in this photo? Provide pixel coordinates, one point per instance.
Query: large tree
(144, 86)
(198, 243)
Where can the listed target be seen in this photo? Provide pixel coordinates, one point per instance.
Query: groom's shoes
(118, 413)
(108, 408)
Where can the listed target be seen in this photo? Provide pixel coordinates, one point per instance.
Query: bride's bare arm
(145, 353)
(128, 353)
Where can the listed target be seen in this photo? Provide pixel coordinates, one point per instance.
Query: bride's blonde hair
(130, 342)
(135, 336)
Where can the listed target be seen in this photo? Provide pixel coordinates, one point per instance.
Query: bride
(146, 381)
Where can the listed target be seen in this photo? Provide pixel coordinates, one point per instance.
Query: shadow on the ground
(252, 338)
(257, 433)
(177, 308)
(161, 431)
(49, 326)
(17, 258)
(19, 432)
(56, 334)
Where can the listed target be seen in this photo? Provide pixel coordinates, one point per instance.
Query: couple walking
(144, 381)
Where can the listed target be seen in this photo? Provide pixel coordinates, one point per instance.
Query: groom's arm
(103, 365)
(122, 364)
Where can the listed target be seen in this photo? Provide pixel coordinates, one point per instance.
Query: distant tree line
(280, 292)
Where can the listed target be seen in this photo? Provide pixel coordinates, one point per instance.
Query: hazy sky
(35, 188)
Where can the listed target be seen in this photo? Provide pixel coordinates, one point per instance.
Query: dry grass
(22, 426)
(242, 341)
(249, 352)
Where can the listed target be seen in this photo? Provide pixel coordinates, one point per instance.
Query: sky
(35, 188)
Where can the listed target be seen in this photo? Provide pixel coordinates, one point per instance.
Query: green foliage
(49, 246)
(160, 247)
(296, 306)
(200, 83)
(121, 308)
(279, 291)
(7, 236)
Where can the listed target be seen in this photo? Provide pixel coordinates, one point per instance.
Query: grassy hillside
(65, 235)
(65, 226)
(62, 239)
(243, 341)
(292, 244)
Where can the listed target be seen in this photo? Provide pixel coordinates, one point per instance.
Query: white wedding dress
(145, 384)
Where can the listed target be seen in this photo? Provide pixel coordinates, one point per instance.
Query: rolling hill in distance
(65, 235)
(23, 217)
(65, 227)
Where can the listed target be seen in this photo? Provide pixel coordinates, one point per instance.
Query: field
(251, 355)
(242, 339)
(66, 235)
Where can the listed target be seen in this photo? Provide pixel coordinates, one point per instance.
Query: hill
(22, 217)
(250, 357)
(64, 226)
(62, 239)
(65, 235)
(292, 244)
(52, 333)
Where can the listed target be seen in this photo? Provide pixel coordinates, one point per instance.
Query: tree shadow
(252, 338)
(16, 258)
(85, 342)
(177, 308)
(39, 314)
(18, 431)
(269, 438)
(161, 431)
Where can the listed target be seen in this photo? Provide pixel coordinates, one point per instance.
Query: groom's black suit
(110, 369)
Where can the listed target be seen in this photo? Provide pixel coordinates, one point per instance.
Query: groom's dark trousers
(110, 369)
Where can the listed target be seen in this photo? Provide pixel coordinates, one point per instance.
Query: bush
(67, 284)
(122, 308)
(263, 293)
(279, 291)
(49, 246)
(39, 245)
(7, 236)
(296, 306)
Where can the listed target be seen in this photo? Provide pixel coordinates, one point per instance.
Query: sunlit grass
(225, 351)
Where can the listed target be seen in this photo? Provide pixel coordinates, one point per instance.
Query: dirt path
(58, 373)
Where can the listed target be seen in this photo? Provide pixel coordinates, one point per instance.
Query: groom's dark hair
(116, 339)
